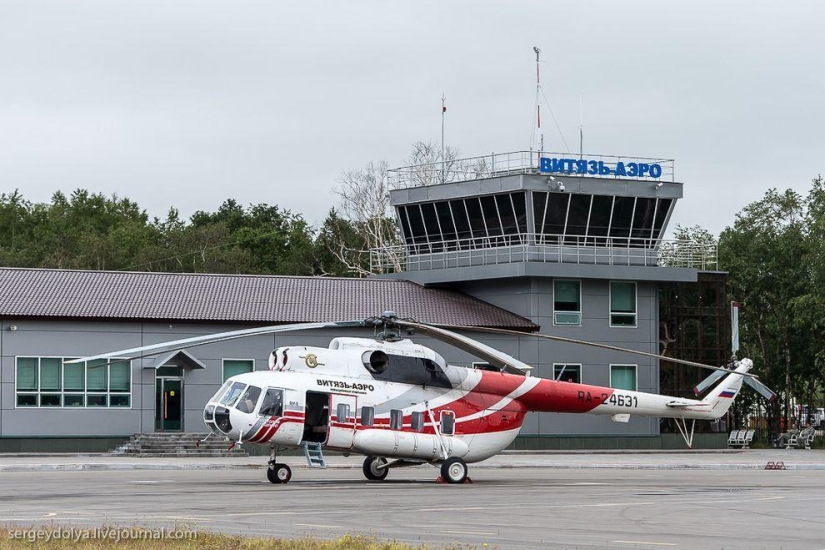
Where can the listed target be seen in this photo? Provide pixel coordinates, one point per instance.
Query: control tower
(574, 243)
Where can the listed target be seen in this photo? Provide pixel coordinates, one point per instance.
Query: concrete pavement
(582, 501)
(748, 459)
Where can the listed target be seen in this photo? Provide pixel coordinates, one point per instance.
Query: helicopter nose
(217, 419)
(209, 418)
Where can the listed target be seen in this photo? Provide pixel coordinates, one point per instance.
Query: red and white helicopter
(401, 404)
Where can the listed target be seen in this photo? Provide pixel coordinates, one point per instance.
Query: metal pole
(581, 128)
(538, 106)
(443, 116)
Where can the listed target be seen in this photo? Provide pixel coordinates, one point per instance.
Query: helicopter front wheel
(278, 473)
(375, 468)
(454, 470)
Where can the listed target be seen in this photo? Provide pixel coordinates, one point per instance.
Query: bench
(741, 438)
(802, 440)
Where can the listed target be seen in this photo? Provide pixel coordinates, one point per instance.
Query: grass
(60, 537)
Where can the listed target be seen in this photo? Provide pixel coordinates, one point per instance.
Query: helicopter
(399, 403)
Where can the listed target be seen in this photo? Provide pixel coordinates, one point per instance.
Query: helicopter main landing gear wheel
(278, 473)
(375, 468)
(454, 470)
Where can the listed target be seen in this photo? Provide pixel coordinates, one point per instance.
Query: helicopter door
(341, 421)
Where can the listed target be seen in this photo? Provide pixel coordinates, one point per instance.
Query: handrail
(515, 162)
(543, 248)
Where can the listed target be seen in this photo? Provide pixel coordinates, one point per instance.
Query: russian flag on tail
(730, 394)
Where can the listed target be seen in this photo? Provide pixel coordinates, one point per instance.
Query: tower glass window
(472, 222)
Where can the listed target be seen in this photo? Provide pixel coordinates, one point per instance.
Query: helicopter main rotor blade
(595, 345)
(465, 343)
(161, 347)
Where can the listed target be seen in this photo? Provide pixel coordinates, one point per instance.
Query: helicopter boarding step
(314, 454)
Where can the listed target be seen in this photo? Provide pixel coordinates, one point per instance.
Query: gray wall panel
(70, 422)
(67, 342)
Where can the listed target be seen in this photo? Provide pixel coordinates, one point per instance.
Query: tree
(338, 246)
(276, 240)
(16, 227)
(765, 253)
(430, 164)
(365, 204)
(810, 308)
(690, 247)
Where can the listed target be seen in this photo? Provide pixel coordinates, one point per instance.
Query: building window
(623, 377)
(567, 373)
(234, 367)
(622, 304)
(48, 382)
(567, 302)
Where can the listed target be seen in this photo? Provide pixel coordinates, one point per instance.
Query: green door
(168, 404)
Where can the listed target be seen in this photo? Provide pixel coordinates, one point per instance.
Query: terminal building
(523, 241)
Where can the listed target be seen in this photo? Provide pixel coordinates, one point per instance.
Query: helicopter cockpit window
(232, 394)
(406, 370)
(273, 404)
(249, 400)
(221, 391)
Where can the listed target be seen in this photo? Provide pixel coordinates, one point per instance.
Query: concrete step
(176, 444)
(183, 455)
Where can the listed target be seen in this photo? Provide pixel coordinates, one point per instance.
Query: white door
(341, 420)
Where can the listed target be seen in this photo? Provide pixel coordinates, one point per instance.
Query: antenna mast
(539, 134)
(581, 128)
(443, 116)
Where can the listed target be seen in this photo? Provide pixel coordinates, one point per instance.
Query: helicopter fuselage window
(412, 370)
(417, 423)
(396, 419)
(249, 400)
(447, 423)
(342, 412)
(367, 416)
(232, 394)
(273, 404)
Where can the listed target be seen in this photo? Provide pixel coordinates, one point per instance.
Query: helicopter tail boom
(570, 397)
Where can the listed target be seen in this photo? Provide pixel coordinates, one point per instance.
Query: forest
(90, 231)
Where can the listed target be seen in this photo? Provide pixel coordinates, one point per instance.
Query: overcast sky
(187, 103)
